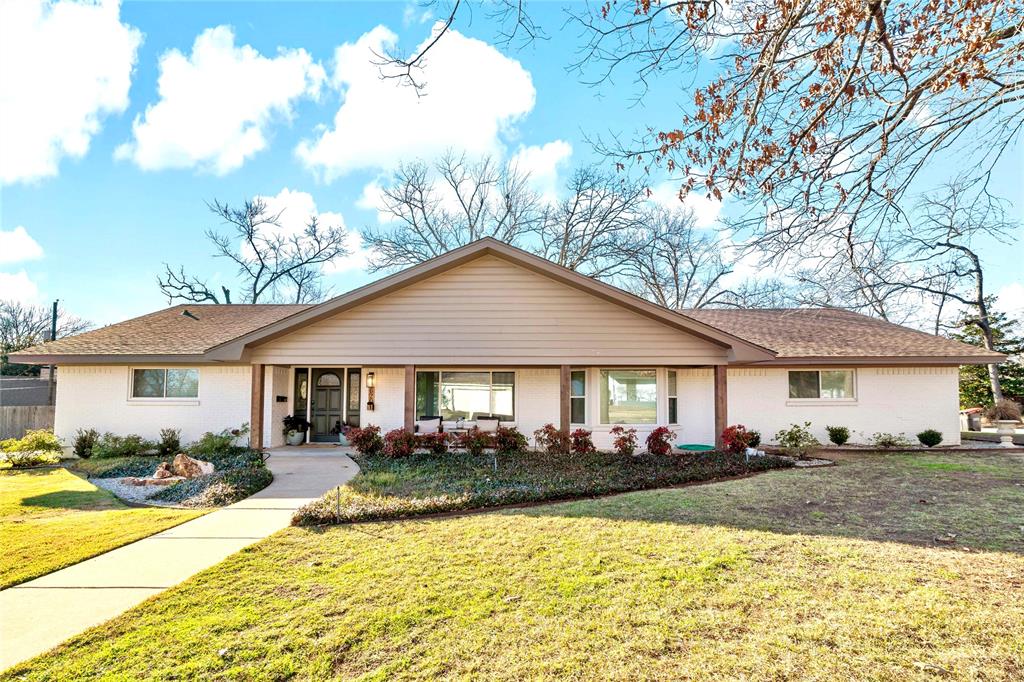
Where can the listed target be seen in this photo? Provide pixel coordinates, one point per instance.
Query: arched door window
(328, 379)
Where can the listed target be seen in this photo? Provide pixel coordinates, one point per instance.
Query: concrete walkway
(40, 614)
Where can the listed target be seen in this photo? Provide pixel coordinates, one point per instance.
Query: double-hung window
(673, 398)
(578, 397)
(165, 383)
(832, 384)
(466, 395)
(629, 396)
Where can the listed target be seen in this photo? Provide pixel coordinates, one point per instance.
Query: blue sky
(92, 223)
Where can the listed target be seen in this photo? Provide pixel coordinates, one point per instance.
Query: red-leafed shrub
(367, 440)
(624, 440)
(399, 443)
(437, 443)
(552, 440)
(581, 442)
(474, 441)
(658, 443)
(508, 440)
(737, 438)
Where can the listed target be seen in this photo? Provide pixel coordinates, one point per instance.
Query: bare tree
(597, 226)
(937, 257)
(679, 266)
(431, 209)
(273, 263)
(23, 325)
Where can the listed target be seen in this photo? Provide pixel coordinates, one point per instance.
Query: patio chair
(487, 423)
(428, 424)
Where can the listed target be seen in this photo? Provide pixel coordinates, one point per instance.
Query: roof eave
(879, 360)
(106, 358)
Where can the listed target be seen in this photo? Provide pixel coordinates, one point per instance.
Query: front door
(326, 404)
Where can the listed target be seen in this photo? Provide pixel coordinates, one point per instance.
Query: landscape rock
(163, 471)
(184, 465)
(168, 480)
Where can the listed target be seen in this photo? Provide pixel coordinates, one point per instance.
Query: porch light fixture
(371, 384)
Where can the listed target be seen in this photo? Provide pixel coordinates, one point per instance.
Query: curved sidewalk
(40, 614)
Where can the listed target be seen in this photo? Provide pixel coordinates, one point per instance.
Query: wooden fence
(15, 420)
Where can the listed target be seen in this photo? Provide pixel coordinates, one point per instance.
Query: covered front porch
(690, 400)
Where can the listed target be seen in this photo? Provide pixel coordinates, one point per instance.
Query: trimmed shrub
(658, 443)
(474, 441)
(436, 443)
(797, 441)
(399, 443)
(37, 440)
(85, 439)
(930, 438)
(838, 434)
(24, 460)
(737, 439)
(132, 445)
(367, 440)
(581, 442)
(508, 440)
(889, 440)
(624, 440)
(211, 444)
(169, 443)
(552, 440)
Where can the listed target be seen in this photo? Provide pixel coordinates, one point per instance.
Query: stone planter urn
(1005, 429)
(296, 437)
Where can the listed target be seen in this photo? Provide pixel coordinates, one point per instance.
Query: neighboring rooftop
(831, 333)
(169, 331)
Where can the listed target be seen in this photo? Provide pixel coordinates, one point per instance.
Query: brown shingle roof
(830, 332)
(169, 332)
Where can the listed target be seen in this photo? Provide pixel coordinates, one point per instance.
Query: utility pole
(53, 337)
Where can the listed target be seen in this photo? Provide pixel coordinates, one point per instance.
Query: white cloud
(216, 104)
(18, 286)
(474, 96)
(296, 208)
(706, 209)
(17, 245)
(1011, 300)
(414, 13)
(543, 164)
(63, 67)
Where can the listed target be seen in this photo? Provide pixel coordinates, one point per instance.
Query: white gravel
(138, 494)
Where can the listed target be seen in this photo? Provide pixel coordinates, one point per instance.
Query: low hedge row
(388, 488)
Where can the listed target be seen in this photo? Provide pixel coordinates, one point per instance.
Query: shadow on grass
(83, 500)
(953, 501)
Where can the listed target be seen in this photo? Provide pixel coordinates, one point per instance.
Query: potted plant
(341, 431)
(295, 430)
(1005, 414)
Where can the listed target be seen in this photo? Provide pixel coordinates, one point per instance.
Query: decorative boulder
(163, 471)
(184, 465)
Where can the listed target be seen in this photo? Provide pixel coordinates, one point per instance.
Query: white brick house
(489, 329)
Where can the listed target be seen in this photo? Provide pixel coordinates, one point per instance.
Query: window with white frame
(168, 382)
(466, 395)
(673, 399)
(831, 384)
(629, 396)
(578, 397)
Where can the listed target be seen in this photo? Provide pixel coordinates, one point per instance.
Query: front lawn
(422, 484)
(786, 575)
(50, 518)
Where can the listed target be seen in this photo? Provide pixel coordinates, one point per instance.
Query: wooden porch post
(721, 402)
(256, 403)
(410, 397)
(563, 398)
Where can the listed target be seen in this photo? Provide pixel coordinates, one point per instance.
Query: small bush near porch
(429, 484)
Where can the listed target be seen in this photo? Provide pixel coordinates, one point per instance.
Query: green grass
(50, 518)
(387, 489)
(741, 579)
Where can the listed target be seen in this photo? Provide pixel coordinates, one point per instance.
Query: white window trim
(660, 403)
(133, 400)
(794, 402)
(585, 396)
(515, 386)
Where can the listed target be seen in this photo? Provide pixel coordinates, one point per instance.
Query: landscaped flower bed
(428, 484)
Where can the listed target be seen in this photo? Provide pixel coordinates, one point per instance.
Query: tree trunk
(986, 327)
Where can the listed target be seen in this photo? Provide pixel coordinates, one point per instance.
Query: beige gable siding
(491, 312)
